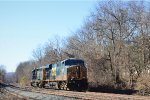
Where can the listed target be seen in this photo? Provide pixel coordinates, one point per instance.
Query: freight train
(69, 74)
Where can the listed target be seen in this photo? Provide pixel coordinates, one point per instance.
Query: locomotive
(69, 74)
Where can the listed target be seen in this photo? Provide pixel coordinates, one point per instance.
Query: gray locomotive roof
(71, 59)
(47, 66)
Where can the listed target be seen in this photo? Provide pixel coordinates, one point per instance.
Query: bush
(23, 81)
(143, 85)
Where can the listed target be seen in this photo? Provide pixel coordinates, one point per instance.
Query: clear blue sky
(26, 24)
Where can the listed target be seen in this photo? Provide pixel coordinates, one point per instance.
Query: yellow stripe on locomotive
(68, 74)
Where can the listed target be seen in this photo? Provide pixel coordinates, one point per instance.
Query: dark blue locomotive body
(69, 74)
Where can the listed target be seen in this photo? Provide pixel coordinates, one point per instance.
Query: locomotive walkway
(50, 94)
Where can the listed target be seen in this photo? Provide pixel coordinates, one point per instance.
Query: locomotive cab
(77, 77)
(76, 74)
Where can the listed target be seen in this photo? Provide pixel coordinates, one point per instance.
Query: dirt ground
(4, 95)
(16, 93)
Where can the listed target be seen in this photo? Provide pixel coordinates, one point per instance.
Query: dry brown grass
(143, 84)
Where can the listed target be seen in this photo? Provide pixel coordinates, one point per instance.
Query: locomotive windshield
(74, 62)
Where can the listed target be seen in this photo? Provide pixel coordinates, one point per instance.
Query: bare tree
(38, 54)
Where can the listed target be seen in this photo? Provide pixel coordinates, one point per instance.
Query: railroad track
(82, 95)
(7, 95)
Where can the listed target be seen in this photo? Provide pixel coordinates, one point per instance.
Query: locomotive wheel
(37, 84)
(60, 85)
(66, 87)
(40, 85)
(63, 86)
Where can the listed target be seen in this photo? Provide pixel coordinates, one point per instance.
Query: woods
(114, 42)
(2, 73)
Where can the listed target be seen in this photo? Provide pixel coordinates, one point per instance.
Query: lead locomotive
(70, 74)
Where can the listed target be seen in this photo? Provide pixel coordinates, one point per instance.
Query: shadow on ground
(112, 90)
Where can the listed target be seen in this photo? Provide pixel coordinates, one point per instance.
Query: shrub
(143, 85)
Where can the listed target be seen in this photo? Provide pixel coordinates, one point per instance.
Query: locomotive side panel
(59, 72)
(68, 74)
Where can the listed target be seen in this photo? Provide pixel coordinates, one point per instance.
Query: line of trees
(114, 42)
(2, 73)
